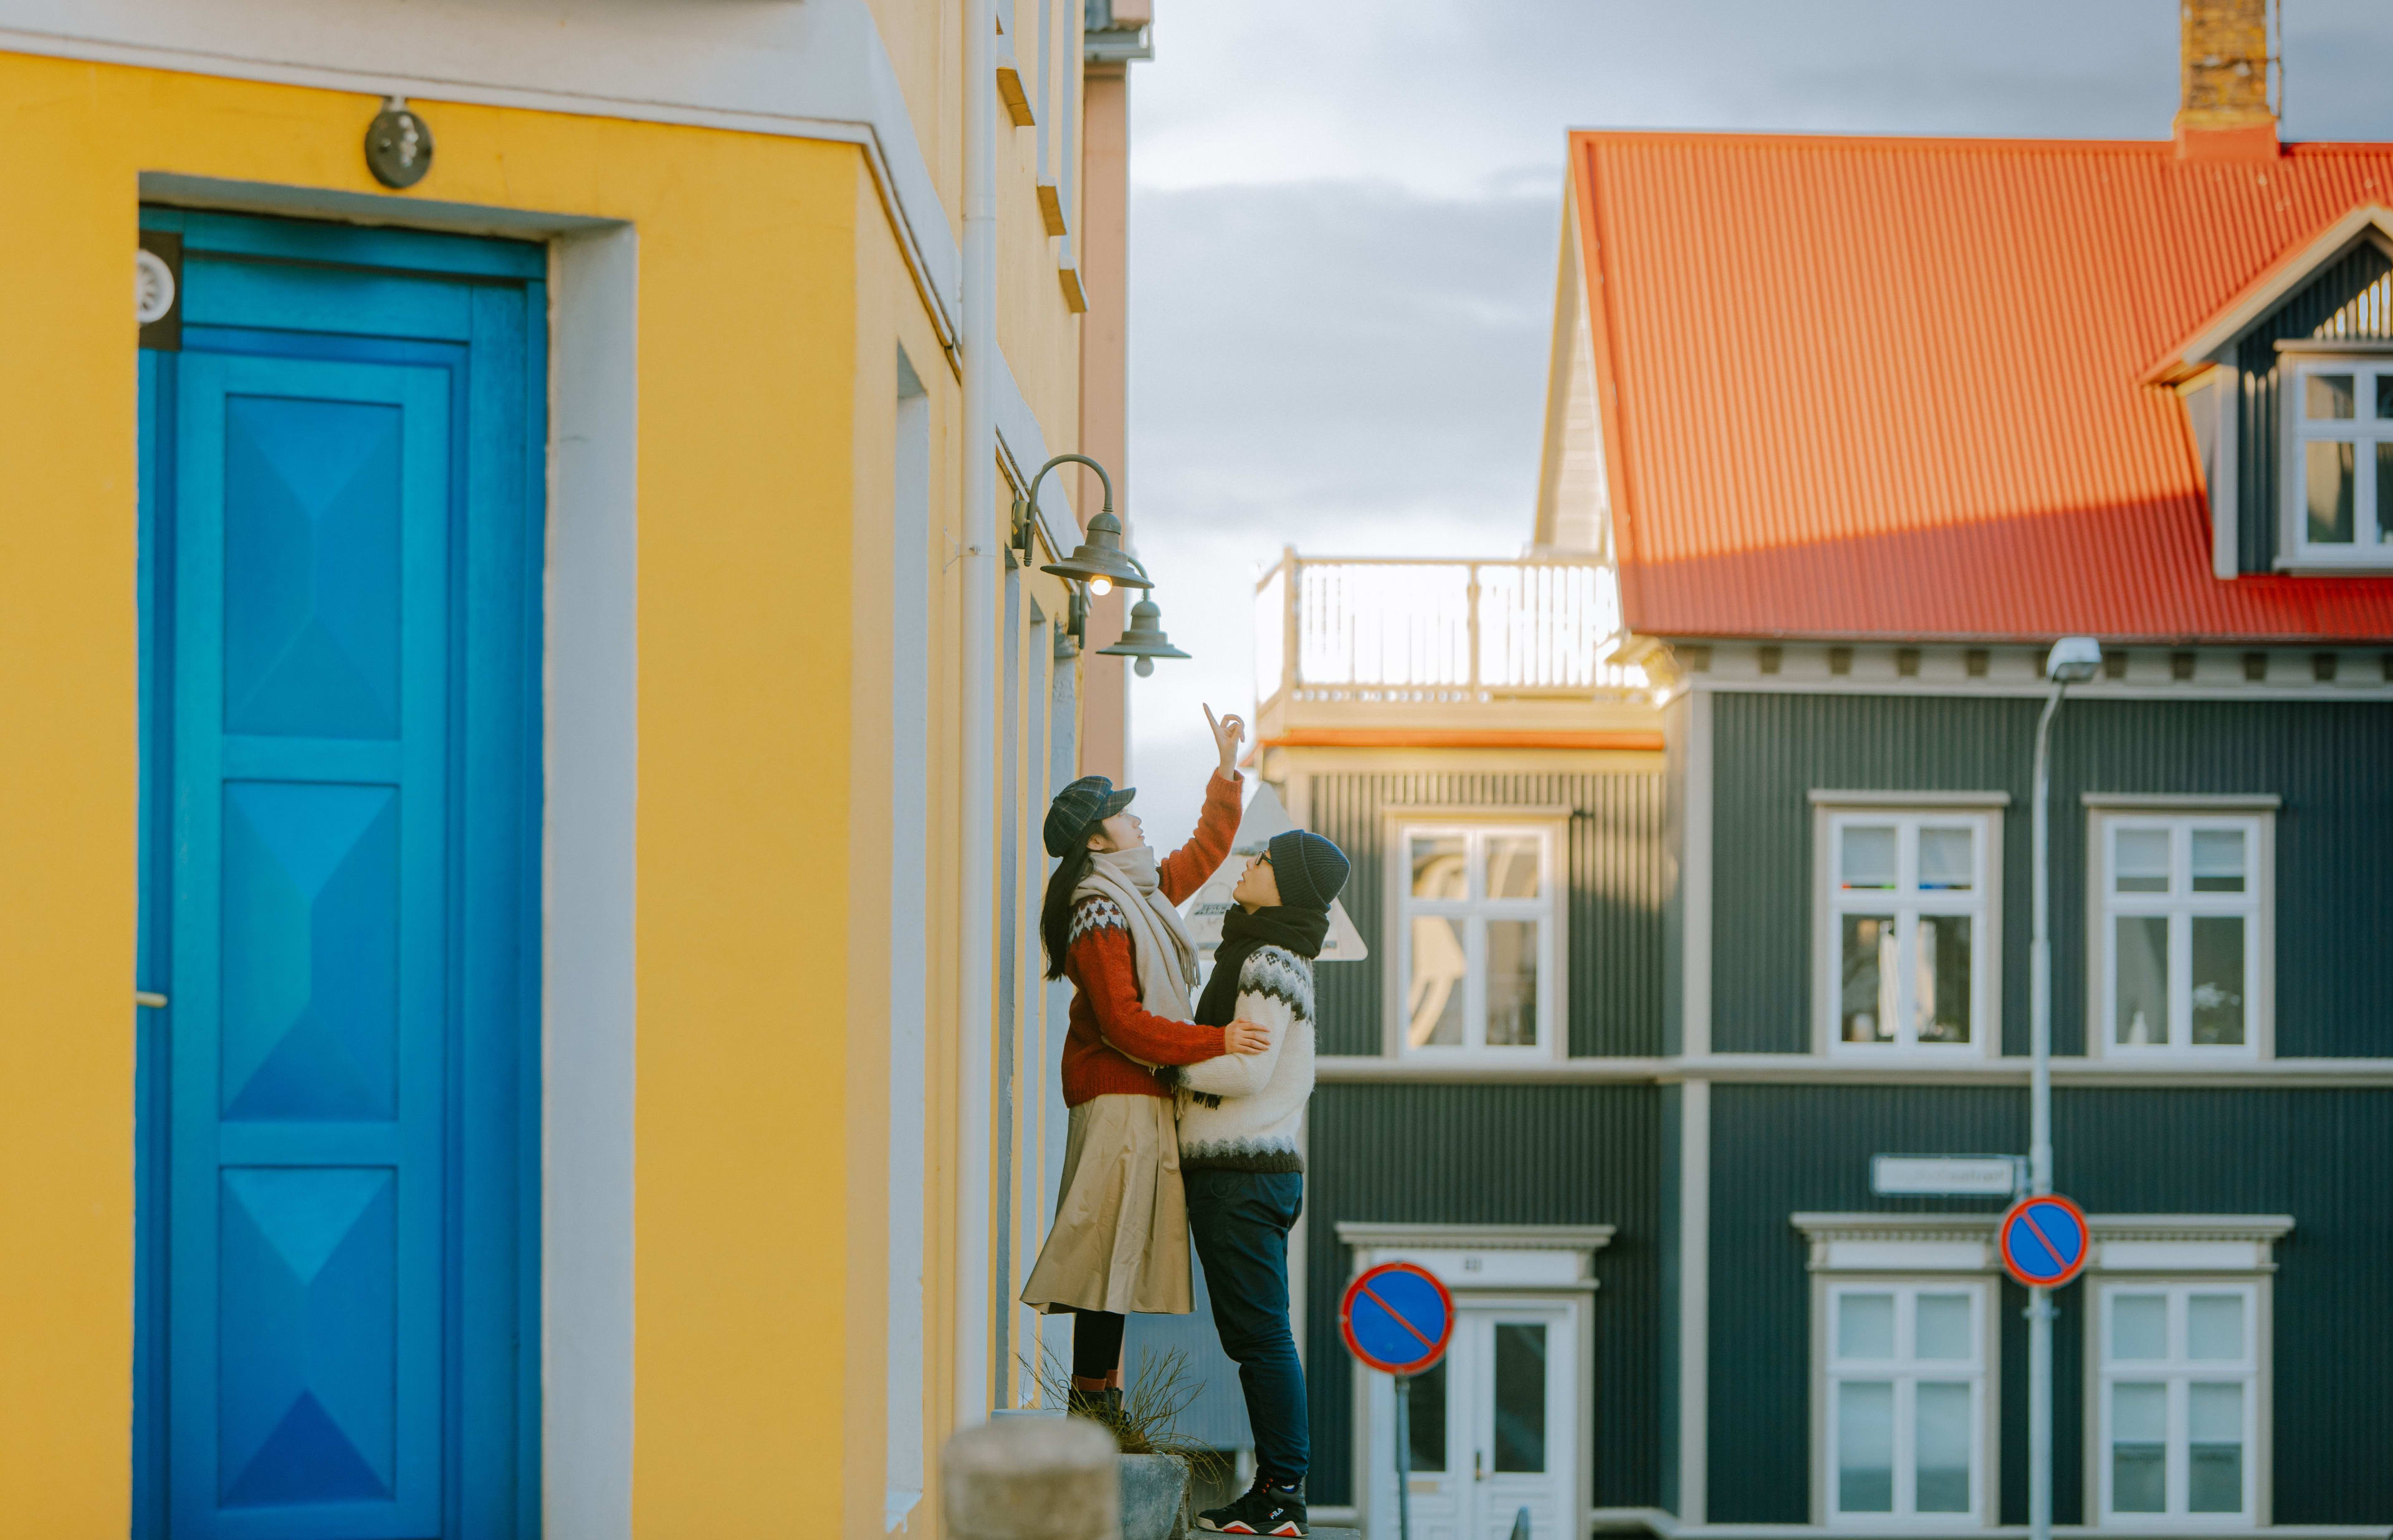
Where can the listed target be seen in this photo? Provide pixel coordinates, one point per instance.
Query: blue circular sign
(1397, 1318)
(2045, 1240)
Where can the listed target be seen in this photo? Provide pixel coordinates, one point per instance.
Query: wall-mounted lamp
(1101, 564)
(1143, 638)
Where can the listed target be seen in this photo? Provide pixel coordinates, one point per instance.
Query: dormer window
(2339, 472)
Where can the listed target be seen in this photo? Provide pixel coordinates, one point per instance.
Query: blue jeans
(1240, 1222)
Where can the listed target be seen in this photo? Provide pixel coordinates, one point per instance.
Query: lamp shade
(1143, 638)
(1100, 555)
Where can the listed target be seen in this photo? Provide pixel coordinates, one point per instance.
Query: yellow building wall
(772, 298)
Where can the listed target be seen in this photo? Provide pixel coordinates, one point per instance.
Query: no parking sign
(1397, 1318)
(2045, 1240)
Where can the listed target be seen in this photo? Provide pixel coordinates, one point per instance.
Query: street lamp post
(2072, 661)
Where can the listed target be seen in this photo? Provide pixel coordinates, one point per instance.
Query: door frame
(1490, 1265)
(587, 655)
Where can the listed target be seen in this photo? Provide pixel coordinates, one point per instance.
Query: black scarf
(1300, 930)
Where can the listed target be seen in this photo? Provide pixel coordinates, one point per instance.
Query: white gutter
(977, 933)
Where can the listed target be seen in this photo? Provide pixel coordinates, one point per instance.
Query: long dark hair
(1055, 912)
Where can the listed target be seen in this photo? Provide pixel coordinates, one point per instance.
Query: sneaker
(1265, 1509)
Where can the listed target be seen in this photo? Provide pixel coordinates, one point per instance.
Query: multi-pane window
(2340, 475)
(1478, 912)
(2181, 933)
(1908, 949)
(1906, 1401)
(2180, 1400)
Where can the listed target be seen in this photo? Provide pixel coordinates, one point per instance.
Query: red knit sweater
(1105, 999)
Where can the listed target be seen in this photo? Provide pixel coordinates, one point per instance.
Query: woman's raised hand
(1245, 1037)
(1229, 731)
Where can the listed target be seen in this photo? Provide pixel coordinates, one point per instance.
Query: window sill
(2312, 565)
(2188, 1056)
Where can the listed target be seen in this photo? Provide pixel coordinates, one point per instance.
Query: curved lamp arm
(1072, 459)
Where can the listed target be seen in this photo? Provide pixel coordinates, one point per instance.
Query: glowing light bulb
(1101, 586)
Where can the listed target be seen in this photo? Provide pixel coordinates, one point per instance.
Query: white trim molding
(1866, 799)
(1965, 1243)
(1912, 906)
(1489, 1265)
(1485, 1256)
(2251, 819)
(2181, 801)
(1473, 917)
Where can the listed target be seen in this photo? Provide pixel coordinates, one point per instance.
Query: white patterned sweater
(1242, 1111)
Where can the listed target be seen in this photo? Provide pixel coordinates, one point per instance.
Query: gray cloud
(1309, 357)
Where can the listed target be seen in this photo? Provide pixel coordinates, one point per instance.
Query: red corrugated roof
(1890, 386)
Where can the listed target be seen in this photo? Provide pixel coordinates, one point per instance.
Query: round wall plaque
(399, 146)
(153, 287)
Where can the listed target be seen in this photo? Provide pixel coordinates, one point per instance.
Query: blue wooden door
(340, 510)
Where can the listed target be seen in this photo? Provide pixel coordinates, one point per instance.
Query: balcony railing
(1436, 632)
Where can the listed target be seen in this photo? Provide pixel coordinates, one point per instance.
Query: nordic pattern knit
(1244, 1110)
(1107, 1008)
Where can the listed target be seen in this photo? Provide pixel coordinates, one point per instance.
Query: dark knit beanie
(1308, 868)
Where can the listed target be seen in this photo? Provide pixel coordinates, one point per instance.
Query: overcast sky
(1345, 225)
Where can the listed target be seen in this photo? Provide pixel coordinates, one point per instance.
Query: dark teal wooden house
(1694, 854)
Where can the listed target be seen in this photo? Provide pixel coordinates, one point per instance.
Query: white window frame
(2362, 431)
(2254, 817)
(2177, 1372)
(1982, 813)
(1549, 828)
(1830, 1370)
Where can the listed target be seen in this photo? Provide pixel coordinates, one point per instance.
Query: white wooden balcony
(1347, 650)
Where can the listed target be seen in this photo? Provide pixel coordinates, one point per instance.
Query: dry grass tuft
(1147, 1422)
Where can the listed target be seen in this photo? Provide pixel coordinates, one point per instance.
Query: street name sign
(1945, 1176)
(1397, 1318)
(2045, 1240)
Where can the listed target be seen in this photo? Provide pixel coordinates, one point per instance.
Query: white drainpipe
(976, 970)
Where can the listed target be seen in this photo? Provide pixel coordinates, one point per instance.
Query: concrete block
(1033, 1479)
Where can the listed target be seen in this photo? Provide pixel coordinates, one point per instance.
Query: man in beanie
(1238, 1122)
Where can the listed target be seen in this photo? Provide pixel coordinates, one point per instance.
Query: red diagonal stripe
(1372, 1294)
(2027, 1217)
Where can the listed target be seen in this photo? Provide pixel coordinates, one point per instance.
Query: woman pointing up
(1119, 1242)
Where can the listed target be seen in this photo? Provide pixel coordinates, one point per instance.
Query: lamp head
(2072, 661)
(1143, 638)
(1100, 561)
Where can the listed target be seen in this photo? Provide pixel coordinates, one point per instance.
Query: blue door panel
(310, 1011)
(312, 524)
(324, 301)
(340, 621)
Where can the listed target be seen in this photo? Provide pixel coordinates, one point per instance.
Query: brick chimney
(2223, 112)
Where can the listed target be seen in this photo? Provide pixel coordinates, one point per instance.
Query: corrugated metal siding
(1850, 273)
(2338, 305)
(1769, 752)
(2335, 890)
(2319, 1156)
(1494, 1154)
(1614, 872)
(1779, 1151)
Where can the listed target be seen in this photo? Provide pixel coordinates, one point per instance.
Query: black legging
(1096, 1343)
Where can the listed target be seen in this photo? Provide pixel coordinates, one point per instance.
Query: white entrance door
(1493, 1430)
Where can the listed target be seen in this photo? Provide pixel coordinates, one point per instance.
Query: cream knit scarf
(1161, 946)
